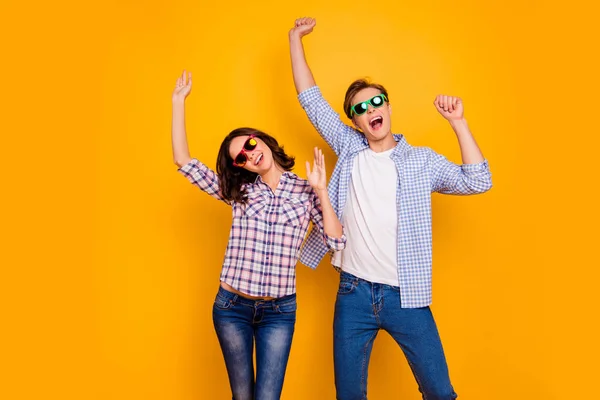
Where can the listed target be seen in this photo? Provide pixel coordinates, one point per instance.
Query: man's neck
(387, 143)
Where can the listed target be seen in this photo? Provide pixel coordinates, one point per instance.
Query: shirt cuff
(309, 95)
(336, 244)
(482, 166)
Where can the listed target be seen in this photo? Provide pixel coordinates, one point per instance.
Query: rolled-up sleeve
(335, 243)
(465, 179)
(203, 177)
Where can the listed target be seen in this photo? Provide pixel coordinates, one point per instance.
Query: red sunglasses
(249, 145)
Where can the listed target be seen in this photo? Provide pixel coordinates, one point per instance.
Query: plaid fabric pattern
(266, 232)
(421, 171)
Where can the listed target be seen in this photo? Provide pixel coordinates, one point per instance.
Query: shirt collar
(286, 174)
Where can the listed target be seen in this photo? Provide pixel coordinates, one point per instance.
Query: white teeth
(258, 159)
(376, 118)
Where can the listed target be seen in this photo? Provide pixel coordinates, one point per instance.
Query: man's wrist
(459, 126)
(458, 123)
(295, 37)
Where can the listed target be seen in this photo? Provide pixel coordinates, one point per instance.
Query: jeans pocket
(288, 307)
(223, 303)
(347, 285)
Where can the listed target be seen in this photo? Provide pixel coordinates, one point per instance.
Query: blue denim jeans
(239, 322)
(363, 308)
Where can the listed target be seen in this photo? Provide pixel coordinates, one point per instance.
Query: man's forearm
(468, 146)
(303, 77)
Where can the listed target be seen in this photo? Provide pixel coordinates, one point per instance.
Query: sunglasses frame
(243, 151)
(370, 101)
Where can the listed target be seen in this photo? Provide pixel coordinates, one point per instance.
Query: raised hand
(183, 86)
(450, 107)
(303, 26)
(318, 176)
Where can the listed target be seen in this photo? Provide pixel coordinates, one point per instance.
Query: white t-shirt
(370, 219)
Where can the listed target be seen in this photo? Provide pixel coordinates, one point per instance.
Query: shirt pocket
(293, 212)
(255, 206)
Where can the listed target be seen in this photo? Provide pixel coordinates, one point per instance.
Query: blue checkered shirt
(421, 171)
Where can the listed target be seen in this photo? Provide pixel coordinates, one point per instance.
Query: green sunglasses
(375, 102)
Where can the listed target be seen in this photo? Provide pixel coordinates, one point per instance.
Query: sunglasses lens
(360, 108)
(250, 144)
(240, 160)
(377, 101)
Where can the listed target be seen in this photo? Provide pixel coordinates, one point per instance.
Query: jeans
(363, 308)
(238, 323)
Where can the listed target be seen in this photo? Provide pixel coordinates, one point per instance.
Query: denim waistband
(347, 275)
(236, 298)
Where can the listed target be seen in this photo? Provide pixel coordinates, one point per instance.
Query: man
(381, 190)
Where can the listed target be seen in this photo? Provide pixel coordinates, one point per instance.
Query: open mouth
(376, 122)
(258, 159)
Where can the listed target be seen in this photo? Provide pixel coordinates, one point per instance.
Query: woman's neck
(273, 176)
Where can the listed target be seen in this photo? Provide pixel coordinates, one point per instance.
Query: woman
(272, 208)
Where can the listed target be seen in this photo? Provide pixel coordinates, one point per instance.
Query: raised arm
(181, 152)
(303, 77)
(325, 120)
(195, 171)
(473, 176)
(322, 213)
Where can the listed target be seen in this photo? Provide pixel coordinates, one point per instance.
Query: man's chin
(377, 135)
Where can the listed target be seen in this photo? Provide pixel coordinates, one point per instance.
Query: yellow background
(110, 260)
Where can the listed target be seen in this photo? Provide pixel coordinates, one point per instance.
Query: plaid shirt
(266, 232)
(421, 171)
